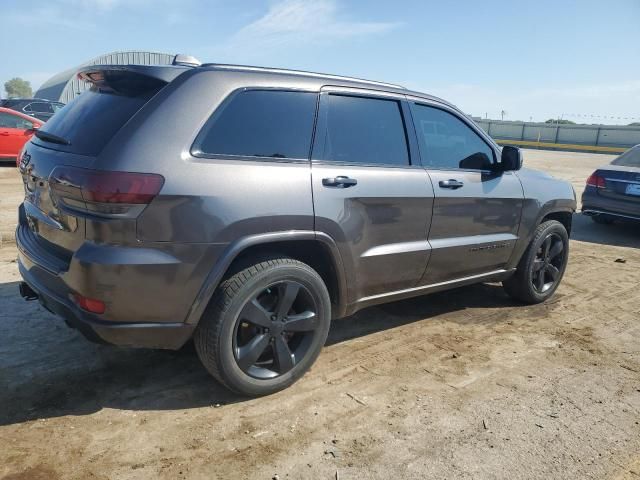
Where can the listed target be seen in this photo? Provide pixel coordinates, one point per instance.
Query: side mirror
(511, 158)
(476, 161)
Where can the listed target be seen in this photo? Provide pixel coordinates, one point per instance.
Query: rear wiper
(49, 137)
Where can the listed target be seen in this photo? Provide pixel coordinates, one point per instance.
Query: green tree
(560, 122)
(18, 87)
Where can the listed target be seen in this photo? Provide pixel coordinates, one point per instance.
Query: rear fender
(236, 248)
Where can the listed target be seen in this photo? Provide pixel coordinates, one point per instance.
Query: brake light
(596, 180)
(97, 186)
(89, 304)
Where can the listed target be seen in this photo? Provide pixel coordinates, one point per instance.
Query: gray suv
(247, 207)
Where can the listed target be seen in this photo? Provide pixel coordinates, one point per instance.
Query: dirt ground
(461, 384)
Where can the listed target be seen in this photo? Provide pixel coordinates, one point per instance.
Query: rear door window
(362, 130)
(41, 107)
(260, 123)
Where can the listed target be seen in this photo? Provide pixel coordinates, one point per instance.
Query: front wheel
(542, 266)
(265, 326)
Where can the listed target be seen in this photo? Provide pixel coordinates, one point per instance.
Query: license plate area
(633, 189)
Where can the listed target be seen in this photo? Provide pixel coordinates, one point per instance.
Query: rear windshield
(91, 120)
(630, 158)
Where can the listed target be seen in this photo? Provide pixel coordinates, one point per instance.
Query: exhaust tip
(27, 292)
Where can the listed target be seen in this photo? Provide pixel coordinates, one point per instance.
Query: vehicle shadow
(48, 370)
(619, 234)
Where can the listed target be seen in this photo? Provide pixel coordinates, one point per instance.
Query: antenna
(187, 60)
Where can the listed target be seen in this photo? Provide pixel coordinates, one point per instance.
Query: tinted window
(14, 121)
(363, 130)
(41, 107)
(630, 158)
(91, 120)
(447, 142)
(261, 123)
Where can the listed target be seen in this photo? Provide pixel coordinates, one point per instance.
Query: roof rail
(249, 68)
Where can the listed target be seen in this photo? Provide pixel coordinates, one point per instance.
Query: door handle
(340, 182)
(451, 183)
(4, 134)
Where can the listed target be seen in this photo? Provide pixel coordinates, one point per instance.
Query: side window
(447, 142)
(261, 123)
(41, 107)
(25, 124)
(362, 130)
(14, 121)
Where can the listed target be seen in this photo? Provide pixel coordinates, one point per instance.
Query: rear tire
(542, 266)
(265, 326)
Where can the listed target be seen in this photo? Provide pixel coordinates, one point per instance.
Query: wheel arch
(316, 249)
(565, 217)
(560, 210)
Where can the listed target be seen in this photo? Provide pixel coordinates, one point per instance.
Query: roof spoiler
(130, 79)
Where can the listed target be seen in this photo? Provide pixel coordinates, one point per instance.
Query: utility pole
(502, 114)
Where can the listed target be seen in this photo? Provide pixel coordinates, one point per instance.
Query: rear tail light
(89, 304)
(596, 180)
(99, 190)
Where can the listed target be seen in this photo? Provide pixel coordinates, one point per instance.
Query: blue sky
(533, 59)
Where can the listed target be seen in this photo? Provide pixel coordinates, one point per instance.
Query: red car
(15, 130)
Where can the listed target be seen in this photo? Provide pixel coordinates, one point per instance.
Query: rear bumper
(145, 335)
(595, 204)
(140, 291)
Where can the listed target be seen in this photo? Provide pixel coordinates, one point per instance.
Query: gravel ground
(460, 384)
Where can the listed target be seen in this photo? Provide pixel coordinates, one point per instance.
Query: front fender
(544, 195)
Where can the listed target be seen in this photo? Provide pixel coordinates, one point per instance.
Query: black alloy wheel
(274, 330)
(265, 325)
(548, 263)
(541, 266)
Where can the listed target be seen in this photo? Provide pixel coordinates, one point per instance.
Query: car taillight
(98, 189)
(89, 304)
(596, 180)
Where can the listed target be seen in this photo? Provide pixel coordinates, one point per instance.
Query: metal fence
(607, 138)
